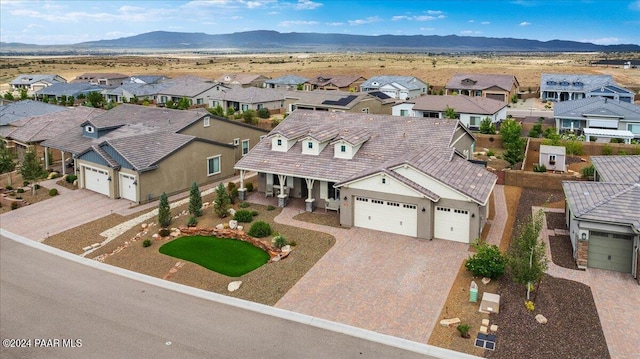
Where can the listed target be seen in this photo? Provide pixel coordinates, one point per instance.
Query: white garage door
(386, 216)
(451, 224)
(96, 180)
(127, 187)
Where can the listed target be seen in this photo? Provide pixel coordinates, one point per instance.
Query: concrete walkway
(499, 220)
(616, 295)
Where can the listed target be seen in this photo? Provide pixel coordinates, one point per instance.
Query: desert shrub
(8, 188)
(573, 148)
(260, 229)
(539, 168)
(464, 330)
(279, 241)
(293, 243)
(14, 205)
(244, 205)
(243, 216)
(607, 150)
(249, 187)
(233, 192)
(275, 122)
(491, 153)
(487, 127)
(263, 113)
(192, 221)
(71, 178)
(20, 190)
(588, 171)
(270, 208)
(636, 150)
(616, 140)
(53, 192)
(487, 261)
(254, 213)
(164, 232)
(146, 243)
(622, 153)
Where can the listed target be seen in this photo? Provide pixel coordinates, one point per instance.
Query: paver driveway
(379, 281)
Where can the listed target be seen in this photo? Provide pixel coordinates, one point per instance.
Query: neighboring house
(397, 87)
(141, 91)
(138, 152)
(57, 91)
(567, 87)
(350, 83)
(248, 98)
(382, 172)
(287, 82)
(197, 90)
(339, 101)
(243, 80)
(147, 79)
(469, 110)
(603, 216)
(553, 158)
(14, 111)
(599, 118)
(102, 79)
(30, 132)
(35, 82)
(494, 86)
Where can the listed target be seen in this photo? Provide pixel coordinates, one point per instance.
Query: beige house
(138, 152)
(494, 86)
(339, 101)
(350, 83)
(243, 80)
(102, 79)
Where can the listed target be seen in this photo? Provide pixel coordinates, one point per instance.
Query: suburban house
(56, 92)
(494, 86)
(387, 173)
(248, 98)
(603, 216)
(349, 83)
(13, 111)
(339, 101)
(34, 82)
(243, 80)
(141, 91)
(196, 89)
(397, 87)
(567, 87)
(598, 117)
(102, 79)
(138, 152)
(287, 82)
(147, 79)
(30, 132)
(469, 110)
(553, 158)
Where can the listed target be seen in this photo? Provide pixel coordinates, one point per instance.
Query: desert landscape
(435, 69)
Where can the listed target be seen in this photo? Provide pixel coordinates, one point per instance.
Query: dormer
(317, 140)
(283, 140)
(88, 130)
(468, 82)
(349, 142)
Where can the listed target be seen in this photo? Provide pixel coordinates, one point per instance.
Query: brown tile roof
(482, 81)
(462, 104)
(43, 127)
(338, 81)
(618, 169)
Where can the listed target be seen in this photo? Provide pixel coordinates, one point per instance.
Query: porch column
(309, 201)
(282, 197)
(242, 192)
(64, 165)
(558, 96)
(46, 158)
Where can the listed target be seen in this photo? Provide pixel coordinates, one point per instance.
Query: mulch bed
(562, 252)
(573, 330)
(555, 220)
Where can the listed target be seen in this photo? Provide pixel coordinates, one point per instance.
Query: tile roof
(28, 108)
(598, 106)
(43, 127)
(604, 202)
(252, 95)
(69, 89)
(146, 150)
(589, 82)
(329, 98)
(187, 86)
(138, 89)
(482, 81)
(287, 80)
(409, 82)
(462, 104)
(391, 140)
(99, 75)
(553, 150)
(618, 169)
(338, 81)
(24, 79)
(242, 79)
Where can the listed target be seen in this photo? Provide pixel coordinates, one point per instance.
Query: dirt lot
(526, 68)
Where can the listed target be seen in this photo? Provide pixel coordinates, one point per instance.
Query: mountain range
(272, 41)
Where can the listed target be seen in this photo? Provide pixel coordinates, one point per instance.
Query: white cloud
(485, 23)
(297, 23)
(335, 23)
(307, 5)
(603, 41)
(524, 23)
(434, 12)
(368, 20)
(417, 17)
(400, 17)
(471, 21)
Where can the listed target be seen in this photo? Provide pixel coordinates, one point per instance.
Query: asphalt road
(44, 297)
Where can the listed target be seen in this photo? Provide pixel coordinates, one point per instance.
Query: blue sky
(65, 22)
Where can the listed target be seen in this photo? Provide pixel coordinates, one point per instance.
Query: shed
(553, 157)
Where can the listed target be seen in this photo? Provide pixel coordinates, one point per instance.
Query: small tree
(527, 260)
(7, 160)
(450, 113)
(248, 116)
(487, 262)
(164, 211)
(264, 113)
(94, 99)
(31, 170)
(536, 130)
(195, 200)
(514, 98)
(512, 141)
(218, 111)
(222, 201)
(230, 111)
(23, 94)
(8, 96)
(487, 127)
(183, 104)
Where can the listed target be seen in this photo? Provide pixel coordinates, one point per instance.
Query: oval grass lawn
(230, 257)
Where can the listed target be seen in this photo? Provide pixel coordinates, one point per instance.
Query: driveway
(69, 209)
(383, 282)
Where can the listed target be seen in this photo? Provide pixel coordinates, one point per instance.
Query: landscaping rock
(286, 249)
(233, 224)
(155, 236)
(143, 226)
(232, 211)
(494, 328)
(233, 286)
(220, 227)
(450, 322)
(541, 319)
(75, 183)
(486, 280)
(205, 205)
(53, 175)
(240, 229)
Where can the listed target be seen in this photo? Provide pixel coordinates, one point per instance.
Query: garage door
(386, 216)
(496, 96)
(451, 224)
(96, 180)
(128, 187)
(610, 251)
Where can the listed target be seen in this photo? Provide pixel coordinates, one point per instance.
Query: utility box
(473, 292)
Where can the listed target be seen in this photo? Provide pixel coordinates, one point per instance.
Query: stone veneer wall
(583, 254)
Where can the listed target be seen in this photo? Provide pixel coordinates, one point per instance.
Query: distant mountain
(273, 41)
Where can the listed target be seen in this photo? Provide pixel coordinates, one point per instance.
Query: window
(431, 114)
(343, 148)
(245, 147)
(310, 145)
(259, 106)
(207, 121)
(236, 141)
(571, 124)
(244, 107)
(332, 192)
(404, 112)
(478, 93)
(384, 180)
(89, 129)
(552, 159)
(199, 101)
(365, 110)
(551, 83)
(279, 142)
(213, 165)
(634, 128)
(474, 121)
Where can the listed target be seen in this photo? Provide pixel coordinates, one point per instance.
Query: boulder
(233, 224)
(541, 319)
(75, 183)
(240, 228)
(486, 280)
(232, 211)
(143, 226)
(286, 248)
(233, 286)
(219, 226)
(494, 328)
(53, 175)
(155, 236)
(450, 322)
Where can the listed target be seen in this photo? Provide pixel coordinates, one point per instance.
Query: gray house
(567, 87)
(397, 87)
(387, 173)
(35, 82)
(603, 216)
(287, 82)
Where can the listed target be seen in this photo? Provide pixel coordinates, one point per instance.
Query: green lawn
(230, 257)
